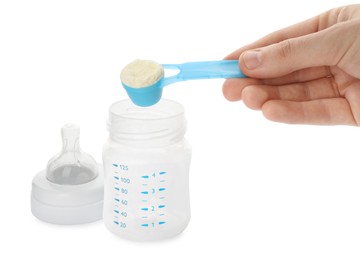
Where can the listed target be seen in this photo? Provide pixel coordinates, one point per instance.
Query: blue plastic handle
(203, 70)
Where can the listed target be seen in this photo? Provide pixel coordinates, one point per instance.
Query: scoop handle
(204, 70)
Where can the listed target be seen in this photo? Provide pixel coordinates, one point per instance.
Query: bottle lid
(71, 188)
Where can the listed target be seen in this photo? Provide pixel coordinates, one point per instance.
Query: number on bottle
(125, 180)
(122, 224)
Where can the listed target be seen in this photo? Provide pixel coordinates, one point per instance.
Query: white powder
(141, 73)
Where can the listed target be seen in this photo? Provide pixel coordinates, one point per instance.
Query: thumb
(312, 50)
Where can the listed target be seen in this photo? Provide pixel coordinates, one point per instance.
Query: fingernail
(252, 59)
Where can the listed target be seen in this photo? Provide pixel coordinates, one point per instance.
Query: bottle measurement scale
(152, 206)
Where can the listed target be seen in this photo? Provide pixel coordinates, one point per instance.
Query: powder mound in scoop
(141, 73)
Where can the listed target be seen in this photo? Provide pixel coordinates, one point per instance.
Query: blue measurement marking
(145, 176)
(116, 188)
(145, 209)
(144, 217)
(162, 181)
(144, 225)
(162, 222)
(116, 211)
(162, 189)
(144, 192)
(115, 165)
(117, 223)
(161, 173)
(161, 206)
(116, 177)
(162, 198)
(162, 214)
(117, 199)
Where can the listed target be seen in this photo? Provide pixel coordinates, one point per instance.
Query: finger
(319, 49)
(333, 111)
(232, 88)
(255, 96)
(352, 94)
(309, 26)
(304, 75)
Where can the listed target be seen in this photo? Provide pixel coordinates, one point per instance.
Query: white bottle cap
(67, 204)
(71, 188)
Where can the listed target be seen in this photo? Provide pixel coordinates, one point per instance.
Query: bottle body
(146, 183)
(146, 191)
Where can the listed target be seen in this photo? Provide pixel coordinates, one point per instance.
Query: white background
(259, 190)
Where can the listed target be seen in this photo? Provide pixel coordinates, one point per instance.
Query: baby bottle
(146, 166)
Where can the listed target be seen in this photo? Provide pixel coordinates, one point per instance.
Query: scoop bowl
(146, 96)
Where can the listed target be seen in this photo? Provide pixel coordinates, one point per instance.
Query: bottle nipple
(71, 166)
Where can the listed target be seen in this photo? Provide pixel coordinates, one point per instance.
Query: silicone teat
(144, 80)
(71, 166)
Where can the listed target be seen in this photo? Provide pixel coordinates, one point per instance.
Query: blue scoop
(150, 95)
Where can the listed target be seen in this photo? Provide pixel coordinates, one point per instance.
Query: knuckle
(285, 48)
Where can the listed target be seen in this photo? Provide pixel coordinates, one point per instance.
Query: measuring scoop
(150, 95)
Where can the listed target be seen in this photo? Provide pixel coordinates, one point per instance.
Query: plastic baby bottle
(146, 166)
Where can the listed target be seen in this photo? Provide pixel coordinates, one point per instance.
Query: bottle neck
(149, 140)
(160, 125)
